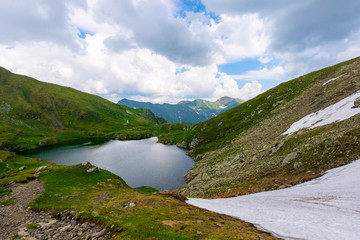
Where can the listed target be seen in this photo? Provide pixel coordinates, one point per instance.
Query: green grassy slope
(106, 199)
(186, 111)
(242, 150)
(34, 113)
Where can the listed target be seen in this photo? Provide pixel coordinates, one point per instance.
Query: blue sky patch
(241, 67)
(249, 64)
(195, 6)
(181, 70)
(82, 33)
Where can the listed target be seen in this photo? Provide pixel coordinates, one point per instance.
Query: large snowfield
(337, 112)
(324, 208)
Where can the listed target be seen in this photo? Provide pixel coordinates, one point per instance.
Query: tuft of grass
(31, 226)
(8, 202)
(5, 191)
(146, 189)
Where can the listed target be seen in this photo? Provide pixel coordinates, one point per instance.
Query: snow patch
(325, 208)
(339, 111)
(223, 107)
(333, 79)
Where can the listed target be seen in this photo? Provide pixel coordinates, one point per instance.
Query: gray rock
(22, 168)
(297, 165)
(356, 103)
(63, 229)
(194, 143)
(129, 204)
(93, 170)
(288, 158)
(40, 168)
(23, 233)
(99, 234)
(182, 144)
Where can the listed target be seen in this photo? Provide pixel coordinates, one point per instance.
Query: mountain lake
(139, 162)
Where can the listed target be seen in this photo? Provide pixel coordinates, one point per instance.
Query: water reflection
(139, 163)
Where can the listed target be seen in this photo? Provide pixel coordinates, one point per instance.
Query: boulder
(288, 158)
(194, 143)
(356, 103)
(40, 168)
(86, 164)
(93, 170)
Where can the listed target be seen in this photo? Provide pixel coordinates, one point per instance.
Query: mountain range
(186, 111)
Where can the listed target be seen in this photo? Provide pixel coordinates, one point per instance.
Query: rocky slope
(245, 149)
(186, 111)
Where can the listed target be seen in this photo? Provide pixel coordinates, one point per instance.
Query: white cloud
(306, 35)
(264, 59)
(137, 48)
(276, 73)
(241, 37)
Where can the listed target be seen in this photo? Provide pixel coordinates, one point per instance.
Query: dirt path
(19, 220)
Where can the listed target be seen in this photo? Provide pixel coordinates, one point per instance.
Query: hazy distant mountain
(186, 111)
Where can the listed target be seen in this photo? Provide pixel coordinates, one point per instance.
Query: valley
(286, 136)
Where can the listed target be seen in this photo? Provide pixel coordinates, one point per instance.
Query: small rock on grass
(94, 169)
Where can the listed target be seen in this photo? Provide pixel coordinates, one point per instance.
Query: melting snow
(338, 112)
(325, 208)
(333, 79)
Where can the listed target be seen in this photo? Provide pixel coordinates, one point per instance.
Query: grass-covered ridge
(105, 198)
(34, 113)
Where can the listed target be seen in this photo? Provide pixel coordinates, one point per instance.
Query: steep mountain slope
(186, 111)
(34, 113)
(245, 149)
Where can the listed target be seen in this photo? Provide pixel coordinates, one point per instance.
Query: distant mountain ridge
(186, 111)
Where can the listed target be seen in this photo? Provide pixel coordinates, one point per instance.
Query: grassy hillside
(186, 111)
(127, 213)
(34, 113)
(243, 150)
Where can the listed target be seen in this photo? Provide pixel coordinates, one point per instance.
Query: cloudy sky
(169, 50)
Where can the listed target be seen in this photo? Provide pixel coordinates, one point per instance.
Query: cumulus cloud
(153, 26)
(37, 20)
(306, 35)
(298, 24)
(146, 50)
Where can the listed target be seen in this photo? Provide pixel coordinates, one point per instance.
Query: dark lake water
(139, 162)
